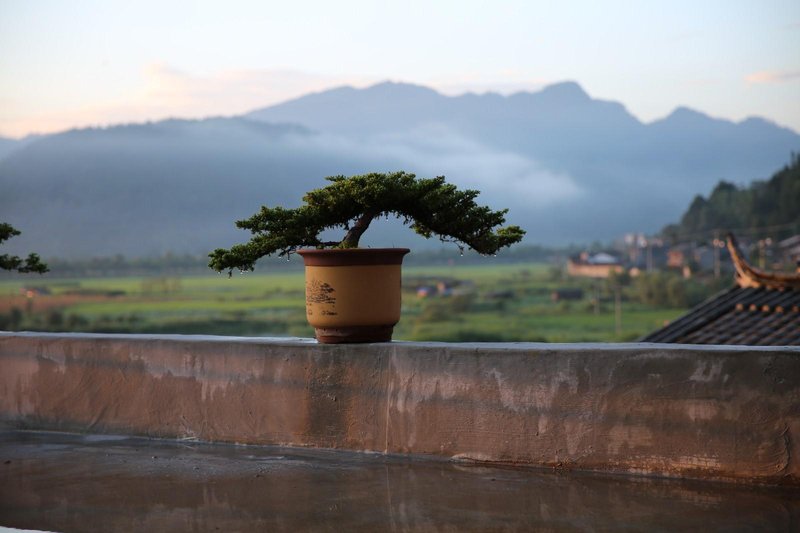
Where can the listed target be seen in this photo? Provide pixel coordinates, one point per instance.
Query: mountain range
(569, 167)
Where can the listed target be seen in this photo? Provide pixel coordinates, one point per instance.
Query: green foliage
(11, 321)
(619, 279)
(763, 204)
(440, 309)
(161, 284)
(55, 319)
(666, 289)
(651, 289)
(12, 262)
(556, 273)
(429, 206)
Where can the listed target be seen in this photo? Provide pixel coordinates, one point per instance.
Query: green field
(486, 303)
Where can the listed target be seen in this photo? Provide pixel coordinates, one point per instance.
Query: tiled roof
(762, 309)
(740, 315)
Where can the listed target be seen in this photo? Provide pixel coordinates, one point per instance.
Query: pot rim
(352, 256)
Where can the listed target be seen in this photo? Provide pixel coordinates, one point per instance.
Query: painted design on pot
(320, 293)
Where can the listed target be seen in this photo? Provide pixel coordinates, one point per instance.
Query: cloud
(535, 196)
(504, 178)
(506, 81)
(771, 76)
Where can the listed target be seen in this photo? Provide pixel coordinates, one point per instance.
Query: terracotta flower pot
(353, 295)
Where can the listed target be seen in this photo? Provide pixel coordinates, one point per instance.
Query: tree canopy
(12, 262)
(430, 206)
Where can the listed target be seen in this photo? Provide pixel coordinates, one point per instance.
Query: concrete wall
(725, 413)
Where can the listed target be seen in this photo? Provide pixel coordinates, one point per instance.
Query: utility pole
(597, 296)
(717, 245)
(618, 310)
(763, 244)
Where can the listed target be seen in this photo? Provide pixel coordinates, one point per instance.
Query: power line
(750, 231)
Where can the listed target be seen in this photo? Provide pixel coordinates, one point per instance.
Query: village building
(599, 265)
(761, 309)
(566, 293)
(643, 253)
(789, 250)
(426, 287)
(699, 257)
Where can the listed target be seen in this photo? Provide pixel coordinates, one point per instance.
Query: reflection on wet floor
(64, 482)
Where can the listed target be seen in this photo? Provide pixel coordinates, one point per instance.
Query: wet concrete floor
(67, 482)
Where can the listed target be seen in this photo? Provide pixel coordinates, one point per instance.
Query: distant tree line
(182, 264)
(532, 253)
(769, 207)
(119, 265)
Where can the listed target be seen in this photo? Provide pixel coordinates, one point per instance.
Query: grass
(500, 302)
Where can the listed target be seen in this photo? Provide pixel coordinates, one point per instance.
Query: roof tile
(749, 316)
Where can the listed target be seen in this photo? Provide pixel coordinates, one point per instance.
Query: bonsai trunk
(356, 231)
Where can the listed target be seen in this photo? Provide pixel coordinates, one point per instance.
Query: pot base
(348, 334)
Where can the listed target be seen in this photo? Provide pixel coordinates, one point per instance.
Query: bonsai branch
(354, 233)
(15, 263)
(430, 206)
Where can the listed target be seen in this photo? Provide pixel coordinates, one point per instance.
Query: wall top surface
(542, 347)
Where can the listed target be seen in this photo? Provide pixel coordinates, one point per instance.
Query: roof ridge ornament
(750, 276)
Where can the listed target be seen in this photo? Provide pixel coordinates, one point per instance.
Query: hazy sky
(76, 63)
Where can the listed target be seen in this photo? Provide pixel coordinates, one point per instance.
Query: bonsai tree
(429, 206)
(12, 262)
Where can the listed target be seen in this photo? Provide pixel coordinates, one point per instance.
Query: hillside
(8, 145)
(773, 203)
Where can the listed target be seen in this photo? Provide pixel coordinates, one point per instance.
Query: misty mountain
(9, 145)
(560, 127)
(148, 189)
(569, 167)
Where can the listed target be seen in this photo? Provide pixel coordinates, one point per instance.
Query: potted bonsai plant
(352, 293)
